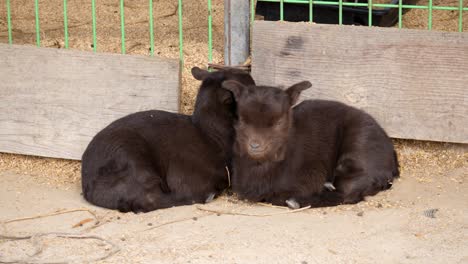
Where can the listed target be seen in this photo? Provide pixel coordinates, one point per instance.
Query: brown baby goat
(286, 155)
(156, 159)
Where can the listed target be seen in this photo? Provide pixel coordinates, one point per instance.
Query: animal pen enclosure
(396, 75)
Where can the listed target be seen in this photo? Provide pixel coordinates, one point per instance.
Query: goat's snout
(256, 148)
(254, 145)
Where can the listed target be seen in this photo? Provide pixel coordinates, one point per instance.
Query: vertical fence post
(236, 31)
(10, 38)
(65, 23)
(210, 33)
(93, 13)
(122, 25)
(181, 35)
(429, 22)
(311, 11)
(252, 11)
(281, 10)
(151, 27)
(36, 15)
(460, 17)
(400, 13)
(340, 12)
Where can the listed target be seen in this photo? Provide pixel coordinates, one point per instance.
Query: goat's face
(264, 119)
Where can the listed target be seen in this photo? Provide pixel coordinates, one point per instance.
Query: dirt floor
(389, 228)
(423, 219)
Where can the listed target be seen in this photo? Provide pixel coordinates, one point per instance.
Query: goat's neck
(217, 131)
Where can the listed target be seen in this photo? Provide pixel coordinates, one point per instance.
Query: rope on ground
(52, 214)
(39, 248)
(178, 221)
(255, 215)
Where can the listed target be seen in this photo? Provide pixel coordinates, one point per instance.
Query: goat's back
(149, 160)
(365, 161)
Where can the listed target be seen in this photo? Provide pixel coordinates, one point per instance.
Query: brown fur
(156, 159)
(283, 153)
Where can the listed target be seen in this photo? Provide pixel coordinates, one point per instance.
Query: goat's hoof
(292, 204)
(329, 186)
(210, 198)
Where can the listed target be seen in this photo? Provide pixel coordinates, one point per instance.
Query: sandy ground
(388, 228)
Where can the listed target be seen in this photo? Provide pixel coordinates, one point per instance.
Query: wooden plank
(414, 82)
(52, 102)
(236, 31)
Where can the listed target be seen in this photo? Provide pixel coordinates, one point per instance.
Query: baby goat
(286, 155)
(156, 159)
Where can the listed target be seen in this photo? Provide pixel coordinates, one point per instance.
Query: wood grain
(414, 82)
(52, 102)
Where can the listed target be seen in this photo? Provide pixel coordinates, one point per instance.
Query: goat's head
(212, 98)
(264, 119)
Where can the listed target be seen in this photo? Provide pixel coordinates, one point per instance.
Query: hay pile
(49, 171)
(166, 36)
(417, 159)
(414, 156)
(441, 20)
(425, 160)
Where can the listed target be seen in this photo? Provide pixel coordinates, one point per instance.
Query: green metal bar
(281, 10)
(324, 3)
(181, 37)
(122, 25)
(448, 8)
(370, 13)
(355, 4)
(151, 27)
(210, 33)
(340, 12)
(400, 13)
(370, 6)
(336, 3)
(311, 10)
(445, 8)
(365, 5)
(460, 17)
(65, 23)
(38, 32)
(429, 22)
(10, 36)
(93, 10)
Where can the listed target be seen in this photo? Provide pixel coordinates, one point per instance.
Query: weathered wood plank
(52, 102)
(415, 83)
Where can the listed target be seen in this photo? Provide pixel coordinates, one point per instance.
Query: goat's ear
(235, 87)
(295, 90)
(199, 74)
(225, 96)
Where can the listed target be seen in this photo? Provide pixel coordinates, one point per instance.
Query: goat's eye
(227, 100)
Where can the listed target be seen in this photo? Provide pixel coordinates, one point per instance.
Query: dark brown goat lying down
(156, 159)
(286, 155)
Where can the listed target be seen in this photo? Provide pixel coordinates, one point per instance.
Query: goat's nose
(254, 145)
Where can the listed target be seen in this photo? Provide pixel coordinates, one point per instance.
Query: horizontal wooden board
(52, 102)
(414, 82)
